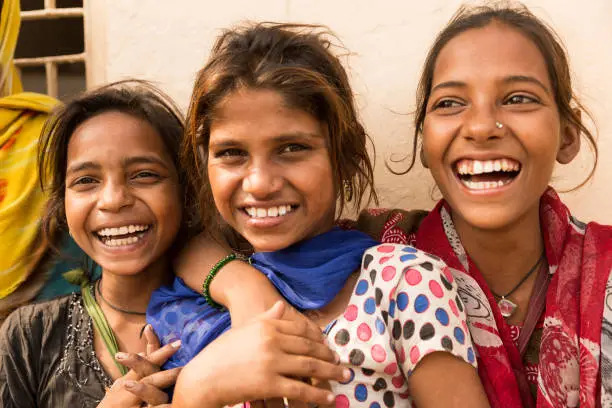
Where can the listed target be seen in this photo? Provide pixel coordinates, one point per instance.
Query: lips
(487, 174)
(270, 211)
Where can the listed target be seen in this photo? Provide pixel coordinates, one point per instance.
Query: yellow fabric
(21, 199)
(9, 31)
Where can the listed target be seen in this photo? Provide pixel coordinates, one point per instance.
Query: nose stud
(499, 125)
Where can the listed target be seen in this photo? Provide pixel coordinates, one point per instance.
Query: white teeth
(484, 185)
(123, 241)
(475, 167)
(127, 229)
(268, 212)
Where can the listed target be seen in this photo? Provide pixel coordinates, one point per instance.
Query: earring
(499, 125)
(348, 190)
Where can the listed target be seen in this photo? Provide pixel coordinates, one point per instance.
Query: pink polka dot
(391, 369)
(351, 313)
(413, 277)
(400, 355)
(385, 248)
(364, 332)
(384, 259)
(436, 289)
(378, 353)
(404, 395)
(464, 324)
(342, 401)
(398, 381)
(414, 354)
(388, 273)
(453, 307)
(448, 274)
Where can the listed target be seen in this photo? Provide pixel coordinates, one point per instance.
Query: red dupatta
(580, 261)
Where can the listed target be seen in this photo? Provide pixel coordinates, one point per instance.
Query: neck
(503, 256)
(132, 292)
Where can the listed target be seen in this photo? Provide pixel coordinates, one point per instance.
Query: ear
(570, 140)
(423, 159)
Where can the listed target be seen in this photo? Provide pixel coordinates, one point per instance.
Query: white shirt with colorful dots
(404, 306)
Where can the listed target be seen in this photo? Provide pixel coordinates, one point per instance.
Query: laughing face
(270, 171)
(492, 131)
(123, 204)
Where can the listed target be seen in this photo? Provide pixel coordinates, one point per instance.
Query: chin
(486, 219)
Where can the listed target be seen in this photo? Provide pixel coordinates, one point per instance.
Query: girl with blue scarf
(278, 151)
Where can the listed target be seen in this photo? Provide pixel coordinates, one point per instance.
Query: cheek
(223, 185)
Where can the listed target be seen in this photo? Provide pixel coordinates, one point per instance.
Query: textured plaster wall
(168, 41)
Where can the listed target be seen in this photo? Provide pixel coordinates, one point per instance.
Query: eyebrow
(89, 165)
(281, 138)
(508, 80)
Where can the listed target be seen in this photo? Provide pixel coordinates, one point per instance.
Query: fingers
(257, 404)
(302, 366)
(139, 364)
(275, 403)
(306, 347)
(297, 390)
(162, 355)
(146, 392)
(163, 379)
(299, 329)
(152, 340)
(275, 312)
(292, 314)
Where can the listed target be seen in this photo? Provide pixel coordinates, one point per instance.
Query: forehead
(490, 53)
(113, 135)
(260, 113)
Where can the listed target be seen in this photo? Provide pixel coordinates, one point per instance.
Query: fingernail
(325, 341)
(129, 384)
(336, 358)
(330, 398)
(176, 344)
(121, 356)
(346, 373)
(148, 328)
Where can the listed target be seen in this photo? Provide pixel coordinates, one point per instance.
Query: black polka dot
(388, 399)
(367, 371)
(373, 275)
(427, 331)
(342, 337)
(435, 258)
(408, 329)
(367, 260)
(378, 295)
(380, 384)
(356, 357)
(427, 265)
(397, 329)
(445, 282)
(385, 316)
(459, 303)
(447, 343)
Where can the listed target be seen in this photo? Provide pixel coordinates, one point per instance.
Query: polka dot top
(404, 306)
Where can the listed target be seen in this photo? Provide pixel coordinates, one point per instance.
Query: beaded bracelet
(213, 272)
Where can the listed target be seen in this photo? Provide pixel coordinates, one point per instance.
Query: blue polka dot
(369, 305)
(470, 355)
(408, 257)
(442, 316)
(187, 308)
(352, 377)
(409, 249)
(375, 405)
(171, 318)
(392, 308)
(361, 393)
(380, 326)
(402, 301)
(459, 335)
(362, 287)
(421, 304)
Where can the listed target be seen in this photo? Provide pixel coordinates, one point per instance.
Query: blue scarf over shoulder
(308, 274)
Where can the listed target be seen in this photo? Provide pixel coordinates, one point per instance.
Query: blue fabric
(308, 274)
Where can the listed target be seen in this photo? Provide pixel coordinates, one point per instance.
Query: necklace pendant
(506, 307)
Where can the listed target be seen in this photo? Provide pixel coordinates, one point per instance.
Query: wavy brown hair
(297, 62)
(132, 97)
(543, 36)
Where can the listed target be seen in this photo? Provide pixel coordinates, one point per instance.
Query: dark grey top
(47, 357)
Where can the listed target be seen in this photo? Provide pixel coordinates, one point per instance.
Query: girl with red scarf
(495, 112)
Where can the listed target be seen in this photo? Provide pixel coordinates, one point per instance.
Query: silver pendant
(506, 307)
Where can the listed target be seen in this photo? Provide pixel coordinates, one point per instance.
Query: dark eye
(447, 103)
(294, 147)
(146, 174)
(230, 153)
(84, 180)
(520, 99)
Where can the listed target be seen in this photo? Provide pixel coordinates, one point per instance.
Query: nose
(262, 180)
(482, 124)
(114, 196)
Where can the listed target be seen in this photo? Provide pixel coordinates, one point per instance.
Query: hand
(260, 360)
(144, 382)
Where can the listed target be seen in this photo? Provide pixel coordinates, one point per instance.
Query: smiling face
(270, 171)
(122, 197)
(492, 130)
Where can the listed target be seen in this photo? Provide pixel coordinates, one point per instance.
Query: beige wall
(168, 41)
